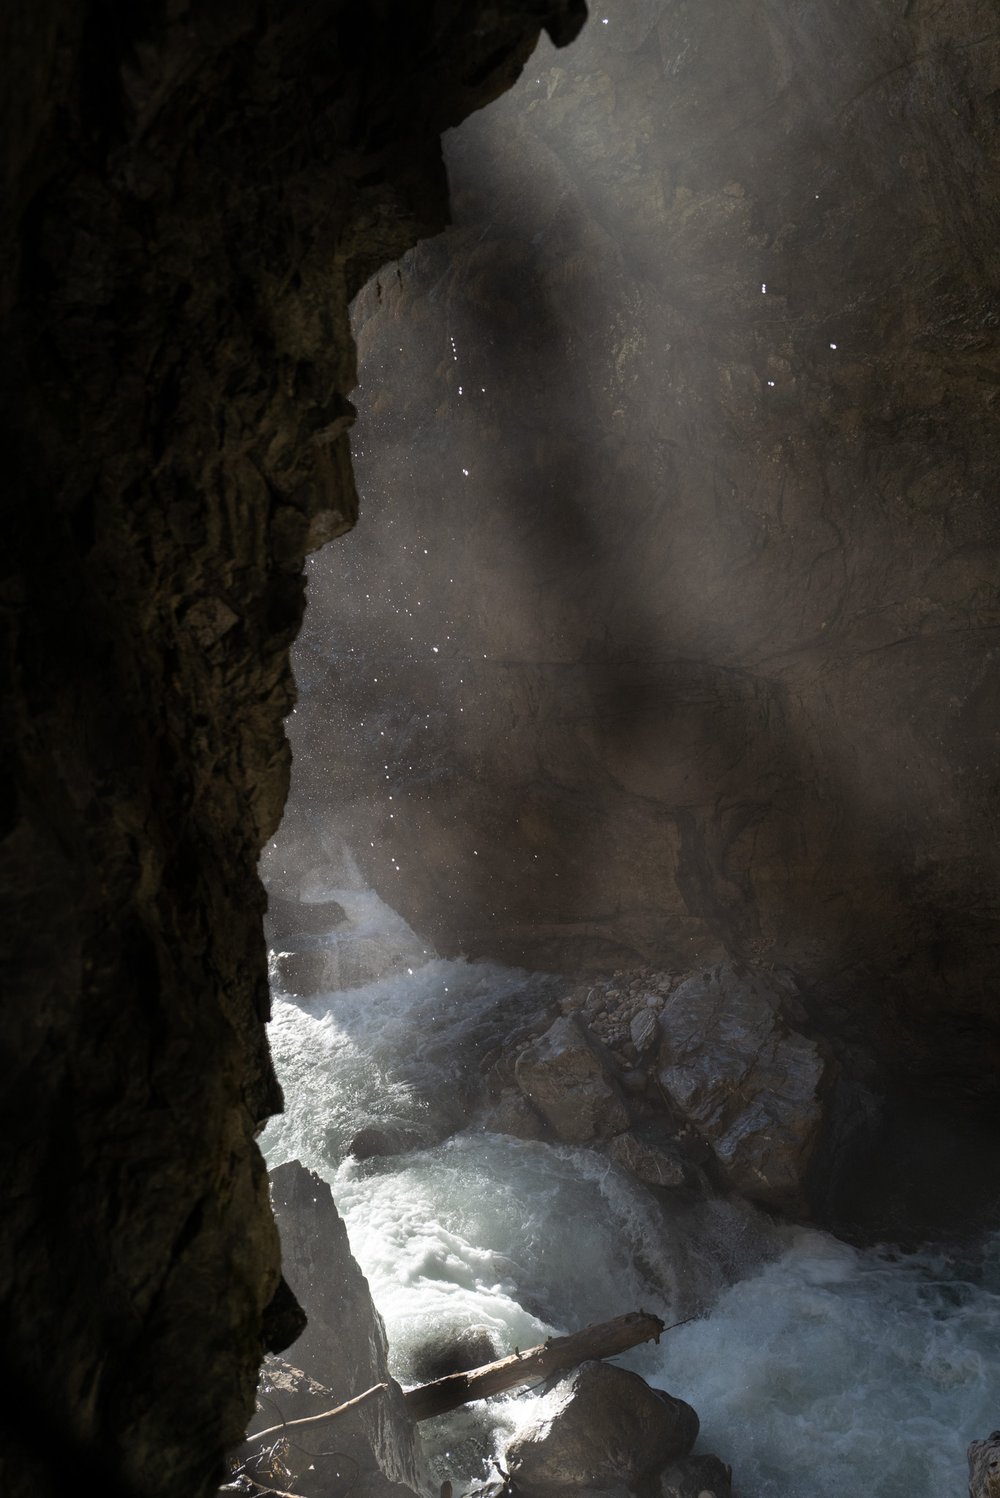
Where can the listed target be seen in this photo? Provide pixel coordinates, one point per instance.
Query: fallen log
(340, 1409)
(603, 1340)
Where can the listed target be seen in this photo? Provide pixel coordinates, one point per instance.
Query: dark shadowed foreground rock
(733, 1068)
(193, 193)
(984, 1467)
(694, 1477)
(343, 1347)
(603, 1428)
(569, 1083)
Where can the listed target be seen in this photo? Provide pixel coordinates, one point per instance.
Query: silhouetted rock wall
(194, 192)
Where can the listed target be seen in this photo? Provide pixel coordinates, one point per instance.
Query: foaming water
(818, 1370)
(834, 1372)
(514, 1235)
(405, 1050)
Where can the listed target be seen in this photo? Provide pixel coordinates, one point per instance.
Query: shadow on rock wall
(671, 620)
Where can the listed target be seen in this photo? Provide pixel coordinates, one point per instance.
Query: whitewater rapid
(818, 1370)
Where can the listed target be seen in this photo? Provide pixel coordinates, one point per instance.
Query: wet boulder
(751, 1085)
(390, 1136)
(343, 1349)
(652, 1159)
(566, 1079)
(454, 1350)
(694, 1477)
(601, 1428)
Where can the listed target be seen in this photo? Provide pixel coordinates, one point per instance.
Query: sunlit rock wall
(193, 193)
(672, 624)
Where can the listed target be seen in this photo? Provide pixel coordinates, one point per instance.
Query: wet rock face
(343, 1349)
(194, 194)
(563, 1076)
(692, 454)
(753, 1087)
(655, 1162)
(722, 1092)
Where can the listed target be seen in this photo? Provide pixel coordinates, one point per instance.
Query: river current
(818, 1370)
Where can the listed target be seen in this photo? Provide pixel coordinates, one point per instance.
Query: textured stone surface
(514, 1115)
(750, 1085)
(344, 1345)
(984, 1467)
(563, 1076)
(644, 1031)
(193, 194)
(716, 664)
(655, 1162)
(603, 1426)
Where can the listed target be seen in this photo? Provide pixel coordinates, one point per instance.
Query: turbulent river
(818, 1370)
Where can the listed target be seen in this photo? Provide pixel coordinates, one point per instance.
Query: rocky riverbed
(517, 1155)
(598, 1430)
(697, 1080)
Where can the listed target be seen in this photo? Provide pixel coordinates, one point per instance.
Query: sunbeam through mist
(661, 657)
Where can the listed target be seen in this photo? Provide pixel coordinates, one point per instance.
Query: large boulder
(751, 1085)
(567, 1080)
(343, 1350)
(602, 1428)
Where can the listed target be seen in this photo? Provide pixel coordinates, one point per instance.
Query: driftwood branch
(340, 1409)
(603, 1340)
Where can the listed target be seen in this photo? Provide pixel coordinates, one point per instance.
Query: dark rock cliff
(711, 357)
(193, 192)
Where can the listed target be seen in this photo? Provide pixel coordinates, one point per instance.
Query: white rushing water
(818, 1370)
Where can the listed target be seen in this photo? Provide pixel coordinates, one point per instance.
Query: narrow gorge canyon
(670, 628)
(633, 919)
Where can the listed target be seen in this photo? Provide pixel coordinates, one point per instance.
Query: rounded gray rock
(608, 1428)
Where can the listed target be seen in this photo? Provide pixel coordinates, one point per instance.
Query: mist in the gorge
(643, 744)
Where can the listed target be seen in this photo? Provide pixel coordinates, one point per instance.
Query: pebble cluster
(613, 1009)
